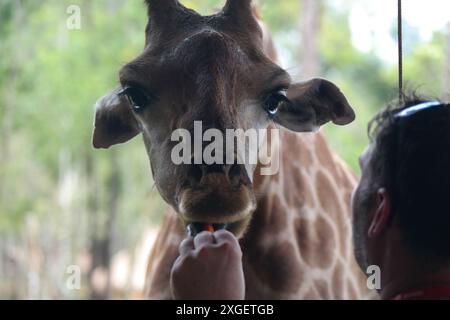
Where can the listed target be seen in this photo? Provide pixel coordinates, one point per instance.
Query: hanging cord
(400, 52)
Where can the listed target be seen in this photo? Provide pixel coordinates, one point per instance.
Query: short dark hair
(412, 161)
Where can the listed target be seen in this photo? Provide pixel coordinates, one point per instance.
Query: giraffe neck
(299, 242)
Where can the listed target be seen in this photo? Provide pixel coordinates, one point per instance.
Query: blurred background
(66, 208)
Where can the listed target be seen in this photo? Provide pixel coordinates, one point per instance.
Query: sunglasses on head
(417, 108)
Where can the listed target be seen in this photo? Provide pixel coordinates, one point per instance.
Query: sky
(371, 22)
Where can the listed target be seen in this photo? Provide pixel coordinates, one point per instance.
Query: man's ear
(383, 211)
(114, 121)
(312, 104)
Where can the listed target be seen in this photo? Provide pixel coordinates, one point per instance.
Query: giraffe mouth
(215, 208)
(215, 205)
(194, 228)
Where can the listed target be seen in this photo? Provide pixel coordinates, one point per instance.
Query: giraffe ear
(312, 104)
(114, 121)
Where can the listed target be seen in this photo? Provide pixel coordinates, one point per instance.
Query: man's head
(405, 184)
(211, 69)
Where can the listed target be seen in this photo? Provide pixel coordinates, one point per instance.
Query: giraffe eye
(274, 101)
(137, 98)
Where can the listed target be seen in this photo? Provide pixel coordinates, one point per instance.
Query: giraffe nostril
(235, 170)
(214, 168)
(235, 174)
(195, 174)
(198, 171)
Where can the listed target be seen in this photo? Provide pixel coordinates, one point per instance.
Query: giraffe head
(212, 69)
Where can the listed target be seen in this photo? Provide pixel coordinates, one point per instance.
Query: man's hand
(209, 268)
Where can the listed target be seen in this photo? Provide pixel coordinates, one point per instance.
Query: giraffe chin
(230, 210)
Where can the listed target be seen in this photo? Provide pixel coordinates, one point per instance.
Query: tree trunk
(114, 188)
(93, 212)
(310, 28)
(102, 230)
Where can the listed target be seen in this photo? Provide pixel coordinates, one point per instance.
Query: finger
(203, 238)
(225, 236)
(186, 245)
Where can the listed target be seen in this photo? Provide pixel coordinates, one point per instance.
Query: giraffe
(294, 227)
(298, 245)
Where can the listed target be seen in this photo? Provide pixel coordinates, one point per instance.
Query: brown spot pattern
(316, 241)
(327, 195)
(323, 154)
(278, 267)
